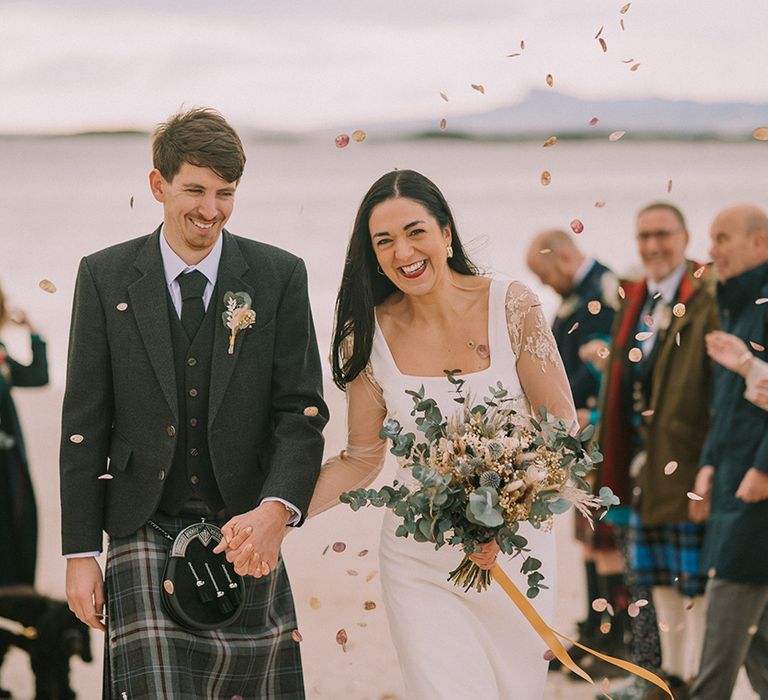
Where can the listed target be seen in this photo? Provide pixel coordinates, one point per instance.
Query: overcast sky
(307, 64)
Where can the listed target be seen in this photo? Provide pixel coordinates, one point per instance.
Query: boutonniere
(238, 315)
(662, 317)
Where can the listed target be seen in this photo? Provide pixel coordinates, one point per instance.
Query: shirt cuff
(82, 555)
(295, 518)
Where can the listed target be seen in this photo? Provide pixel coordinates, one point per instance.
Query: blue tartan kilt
(148, 656)
(667, 555)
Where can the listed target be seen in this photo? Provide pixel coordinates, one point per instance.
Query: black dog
(51, 635)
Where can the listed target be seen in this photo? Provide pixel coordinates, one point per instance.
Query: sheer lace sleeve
(539, 365)
(360, 463)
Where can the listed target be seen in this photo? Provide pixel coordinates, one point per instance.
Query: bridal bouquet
(482, 472)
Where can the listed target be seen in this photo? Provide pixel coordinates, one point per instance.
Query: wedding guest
(198, 420)
(732, 353)
(733, 479)
(588, 291)
(18, 512)
(654, 419)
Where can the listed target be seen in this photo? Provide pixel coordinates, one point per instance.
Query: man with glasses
(654, 418)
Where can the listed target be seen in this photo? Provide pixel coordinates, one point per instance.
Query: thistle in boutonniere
(238, 315)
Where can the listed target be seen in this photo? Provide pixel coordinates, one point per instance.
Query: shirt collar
(669, 285)
(173, 265)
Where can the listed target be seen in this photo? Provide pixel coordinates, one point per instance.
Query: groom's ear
(157, 185)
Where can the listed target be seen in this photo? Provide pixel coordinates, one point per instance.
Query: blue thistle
(490, 479)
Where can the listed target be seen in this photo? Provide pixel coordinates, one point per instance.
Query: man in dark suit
(171, 414)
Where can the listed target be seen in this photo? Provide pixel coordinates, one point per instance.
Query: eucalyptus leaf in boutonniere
(238, 315)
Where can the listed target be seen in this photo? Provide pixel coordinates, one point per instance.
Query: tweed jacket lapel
(148, 301)
(232, 267)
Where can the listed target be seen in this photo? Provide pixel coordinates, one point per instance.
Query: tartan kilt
(148, 656)
(667, 555)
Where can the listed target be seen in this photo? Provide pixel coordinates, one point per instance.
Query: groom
(170, 416)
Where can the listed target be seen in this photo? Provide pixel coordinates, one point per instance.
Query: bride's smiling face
(410, 246)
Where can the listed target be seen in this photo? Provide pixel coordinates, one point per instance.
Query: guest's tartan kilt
(667, 555)
(149, 657)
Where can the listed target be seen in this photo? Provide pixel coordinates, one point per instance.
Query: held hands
(486, 557)
(252, 540)
(698, 511)
(85, 591)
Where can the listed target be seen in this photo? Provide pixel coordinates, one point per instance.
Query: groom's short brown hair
(201, 137)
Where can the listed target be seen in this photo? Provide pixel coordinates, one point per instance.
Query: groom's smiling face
(196, 204)
(410, 246)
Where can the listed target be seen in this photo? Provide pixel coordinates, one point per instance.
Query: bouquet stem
(470, 575)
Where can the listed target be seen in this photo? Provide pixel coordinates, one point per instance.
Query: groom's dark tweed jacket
(121, 394)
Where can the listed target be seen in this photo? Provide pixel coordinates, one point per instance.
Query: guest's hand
(758, 394)
(85, 591)
(595, 352)
(20, 318)
(698, 511)
(486, 557)
(729, 351)
(252, 540)
(753, 487)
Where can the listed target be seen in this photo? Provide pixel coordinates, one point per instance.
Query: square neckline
(491, 345)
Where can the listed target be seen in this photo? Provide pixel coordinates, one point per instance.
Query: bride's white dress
(453, 644)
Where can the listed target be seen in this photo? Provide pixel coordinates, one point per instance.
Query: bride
(411, 305)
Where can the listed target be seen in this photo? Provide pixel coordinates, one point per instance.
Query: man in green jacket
(733, 479)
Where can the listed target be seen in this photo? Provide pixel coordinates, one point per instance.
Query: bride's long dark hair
(362, 286)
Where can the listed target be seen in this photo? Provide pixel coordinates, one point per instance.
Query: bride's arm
(361, 461)
(539, 365)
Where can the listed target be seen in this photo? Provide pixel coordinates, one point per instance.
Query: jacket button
(161, 475)
(193, 393)
(194, 452)
(195, 479)
(191, 361)
(193, 422)
(171, 430)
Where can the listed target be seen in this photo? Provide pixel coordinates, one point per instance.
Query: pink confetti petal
(593, 121)
(573, 328)
(106, 476)
(577, 226)
(549, 655)
(756, 346)
(670, 468)
(761, 300)
(616, 135)
(633, 610)
(339, 546)
(694, 496)
(479, 88)
(296, 636)
(599, 605)
(342, 141)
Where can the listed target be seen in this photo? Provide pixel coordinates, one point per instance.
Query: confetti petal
(603, 352)
(47, 286)
(296, 636)
(551, 141)
(106, 476)
(341, 639)
(342, 141)
(545, 251)
(593, 121)
(635, 355)
(752, 630)
(512, 55)
(616, 135)
(371, 576)
(550, 80)
(443, 123)
(327, 547)
(76, 438)
(168, 585)
(577, 226)
(700, 271)
(641, 603)
(633, 610)
(670, 468)
(369, 605)
(679, 310)
(669, 185)
(761, 300)
(677, 339)
(599, 32)
(573, 327)
(599, 604)
(628, 60)
(624, 9)
(359, 135)
(362, 553)
(444, 96)
(522, 45)
(311, 411)
(647, 413)
(603, 45)
(549, 655)
(694, 496)
(621, 24)
(122, 306)
(605, 628)
(621, 292)
(599, 204)
(314, 603)
(479, 88)
(546, 178)
(643, 335)
(761, 133)
(339, 546)
(756, 346)
(352, 572)
(594, 307)
(131, 202)
(634, 67)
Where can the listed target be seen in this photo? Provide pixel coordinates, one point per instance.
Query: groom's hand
(85, 591)
(252, 540)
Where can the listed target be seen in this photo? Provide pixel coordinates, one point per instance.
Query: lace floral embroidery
(523, 307)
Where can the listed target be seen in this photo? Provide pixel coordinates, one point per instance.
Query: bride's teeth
(412, 268)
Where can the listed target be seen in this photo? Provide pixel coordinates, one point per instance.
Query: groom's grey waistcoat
(122, 405)
(191, 474)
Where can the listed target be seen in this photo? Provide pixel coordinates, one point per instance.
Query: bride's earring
(449, 251)
(379, 270)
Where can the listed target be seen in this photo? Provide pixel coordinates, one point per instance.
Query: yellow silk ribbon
(550, 636)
